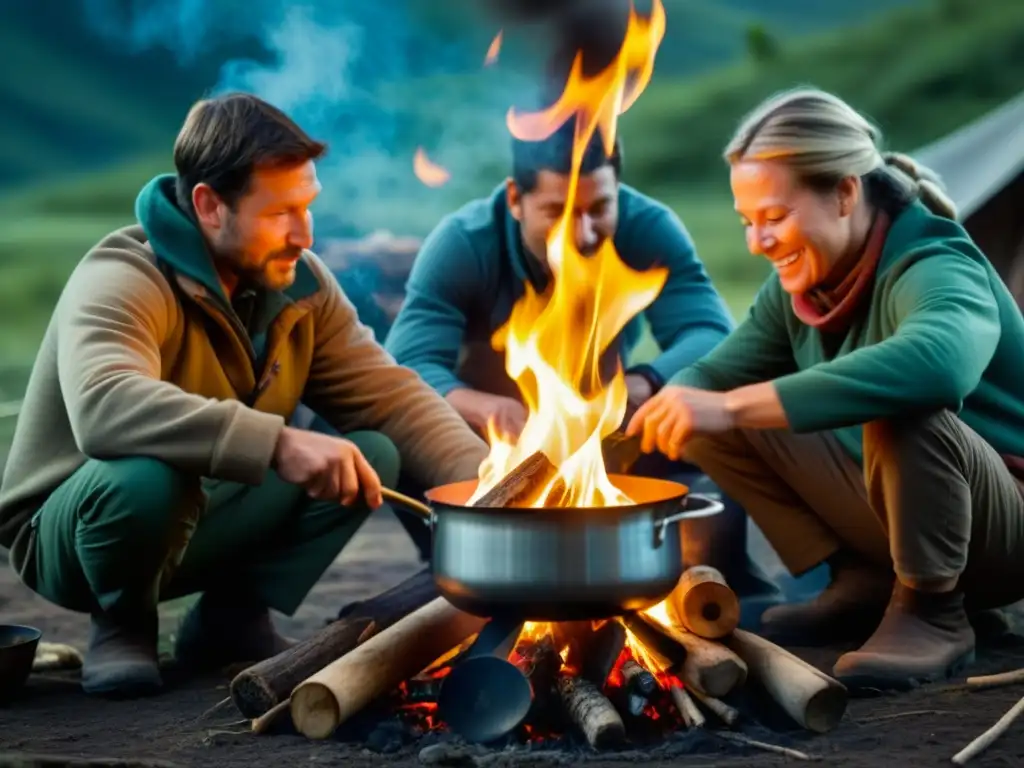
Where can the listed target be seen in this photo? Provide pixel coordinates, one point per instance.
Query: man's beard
(260, 273)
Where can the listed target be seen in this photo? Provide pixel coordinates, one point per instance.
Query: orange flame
(553, 341)
(492, 50)
(427, 171)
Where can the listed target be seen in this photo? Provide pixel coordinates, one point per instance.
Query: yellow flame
(427, 171)
(553, 342)
(493, 50)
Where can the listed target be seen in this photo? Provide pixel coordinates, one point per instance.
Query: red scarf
(830, 310)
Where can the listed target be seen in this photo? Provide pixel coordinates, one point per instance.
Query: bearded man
(152, 458)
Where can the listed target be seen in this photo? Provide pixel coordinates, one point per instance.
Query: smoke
(374, 78)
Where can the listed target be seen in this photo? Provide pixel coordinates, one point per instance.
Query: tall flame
(554, 340)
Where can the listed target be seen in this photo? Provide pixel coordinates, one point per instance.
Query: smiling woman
(869, 410)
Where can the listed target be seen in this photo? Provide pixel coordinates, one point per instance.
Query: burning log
(520, 485)
(692, 716)
(259, 688)
(591, 712)
(812, 698)
(703, 603)
(638, 685)
(708, 665)
(603, 651)
(341, 689)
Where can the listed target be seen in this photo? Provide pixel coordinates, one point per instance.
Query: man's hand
(671, 416)
(329, 468)
(480, 408)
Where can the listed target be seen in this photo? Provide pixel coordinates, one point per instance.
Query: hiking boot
(221, 630)
(121, 660)
(847, 610)
(924, 637)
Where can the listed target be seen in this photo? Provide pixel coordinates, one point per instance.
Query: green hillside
(80, 100)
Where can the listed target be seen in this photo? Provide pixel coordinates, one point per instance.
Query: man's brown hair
(224, 139)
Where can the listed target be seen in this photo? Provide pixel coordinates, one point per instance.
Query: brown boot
(222, 629)
(923, 637)
(847, 610)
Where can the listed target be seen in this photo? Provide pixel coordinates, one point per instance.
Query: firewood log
(341, 689)
(602, 651)
(728, 715)
(703, 603)
(812, 698)
(259, 688)
(520, 486)
(591, 712)
(708, 665)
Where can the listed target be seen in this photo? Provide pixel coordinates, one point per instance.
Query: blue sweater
(473, 268)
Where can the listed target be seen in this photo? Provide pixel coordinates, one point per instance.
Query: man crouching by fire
(476, 264)
(152, 458)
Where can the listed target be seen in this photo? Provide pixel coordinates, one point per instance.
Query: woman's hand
(671, 416)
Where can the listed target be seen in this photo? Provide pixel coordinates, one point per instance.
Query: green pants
(103, 537)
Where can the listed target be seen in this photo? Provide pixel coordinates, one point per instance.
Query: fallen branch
(986, 739)
(999, 680)
(738, 738)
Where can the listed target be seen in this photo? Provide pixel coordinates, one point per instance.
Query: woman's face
(802, 232)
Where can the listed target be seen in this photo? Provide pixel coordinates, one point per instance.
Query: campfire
(556, 603)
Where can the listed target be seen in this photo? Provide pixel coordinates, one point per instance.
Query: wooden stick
(739, 738)
(259, 688)
(708, 665)
(812, 698)
(521, 485)
(703, 603)
(692, 716)
(999, 680)
(728, 715)
(265, 722)
(591, 712)
(341, 689)
(986, 739)
(603, 650)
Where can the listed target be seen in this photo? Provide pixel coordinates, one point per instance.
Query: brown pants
(934, 500)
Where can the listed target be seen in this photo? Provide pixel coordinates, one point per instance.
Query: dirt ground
(922, 728)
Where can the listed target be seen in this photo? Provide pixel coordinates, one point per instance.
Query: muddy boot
(847, 610)
(222, 629)
(122, 660)
(924, 637)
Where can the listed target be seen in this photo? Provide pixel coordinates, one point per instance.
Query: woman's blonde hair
(823, 139)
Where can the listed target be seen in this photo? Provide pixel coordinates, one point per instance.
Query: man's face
(261, 239)
(595, 214)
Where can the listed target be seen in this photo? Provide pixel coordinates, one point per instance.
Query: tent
(982, 166)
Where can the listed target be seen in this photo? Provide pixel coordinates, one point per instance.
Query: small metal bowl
(17, 652)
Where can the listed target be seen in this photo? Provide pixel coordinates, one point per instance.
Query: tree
(761, 44)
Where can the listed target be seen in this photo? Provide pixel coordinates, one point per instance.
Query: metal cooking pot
(559, 563)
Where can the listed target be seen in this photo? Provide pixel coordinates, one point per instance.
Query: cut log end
(315, 710)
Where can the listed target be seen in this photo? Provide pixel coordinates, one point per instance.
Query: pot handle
(709, 507)
(425, 513)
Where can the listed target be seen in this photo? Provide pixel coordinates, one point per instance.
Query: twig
(996, 681)
(986, 739)
(692, 716)
(896, 715)
(219, 705)
(739, 738)
(263, 723)
(728, 715)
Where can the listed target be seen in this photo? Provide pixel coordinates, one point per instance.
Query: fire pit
(557, 602)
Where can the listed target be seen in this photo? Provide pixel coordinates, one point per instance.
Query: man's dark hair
(555, 154)
(225, 138)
